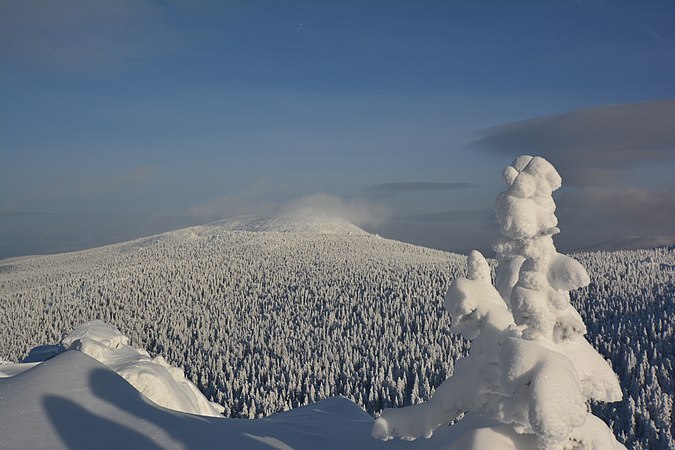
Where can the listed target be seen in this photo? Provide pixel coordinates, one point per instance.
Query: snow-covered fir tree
(530, 371)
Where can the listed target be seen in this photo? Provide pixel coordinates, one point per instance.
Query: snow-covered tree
(530, 373)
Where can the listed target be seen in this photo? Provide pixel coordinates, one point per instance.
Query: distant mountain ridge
(628, 242)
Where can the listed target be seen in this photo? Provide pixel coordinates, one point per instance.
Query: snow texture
(228, 306)
(529, 366)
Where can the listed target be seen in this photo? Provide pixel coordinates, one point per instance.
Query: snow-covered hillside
(629, 310)
(266, 321)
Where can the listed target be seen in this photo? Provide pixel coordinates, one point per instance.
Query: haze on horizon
(128, 118)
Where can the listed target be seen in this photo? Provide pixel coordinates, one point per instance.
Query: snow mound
(299, 222)
(153, 377)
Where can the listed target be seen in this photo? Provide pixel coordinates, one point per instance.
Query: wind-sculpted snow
(154, 377)
(73, 402)
(265, 321)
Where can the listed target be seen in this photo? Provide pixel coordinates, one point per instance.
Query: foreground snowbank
(72, 401)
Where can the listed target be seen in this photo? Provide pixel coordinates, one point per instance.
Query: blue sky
(126, 118)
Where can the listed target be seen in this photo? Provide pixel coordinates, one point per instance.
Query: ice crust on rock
(153, 377)
(530, 369)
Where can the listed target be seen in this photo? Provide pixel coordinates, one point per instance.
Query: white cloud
(356, 210)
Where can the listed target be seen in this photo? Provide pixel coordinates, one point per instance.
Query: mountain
(629, 243)
(268, 321)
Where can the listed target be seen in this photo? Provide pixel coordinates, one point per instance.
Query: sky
(128, 118)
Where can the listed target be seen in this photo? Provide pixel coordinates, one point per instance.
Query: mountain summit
(298, 222)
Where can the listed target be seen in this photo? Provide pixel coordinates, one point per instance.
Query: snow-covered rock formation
(530, 372)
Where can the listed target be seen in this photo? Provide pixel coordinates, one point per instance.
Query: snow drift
(153, 377)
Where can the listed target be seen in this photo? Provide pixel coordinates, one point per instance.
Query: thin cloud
(225, 206)
(592, 146)
(88, 186)
(613, 11)
(82, 35)
(356, 210)
(13, 214)
(385, 190)
(652, 211)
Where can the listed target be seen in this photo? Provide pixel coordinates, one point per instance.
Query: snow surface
(74, 402)
(9, 370)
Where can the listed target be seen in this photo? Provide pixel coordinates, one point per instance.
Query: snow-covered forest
(267, 321)
(629, 311)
